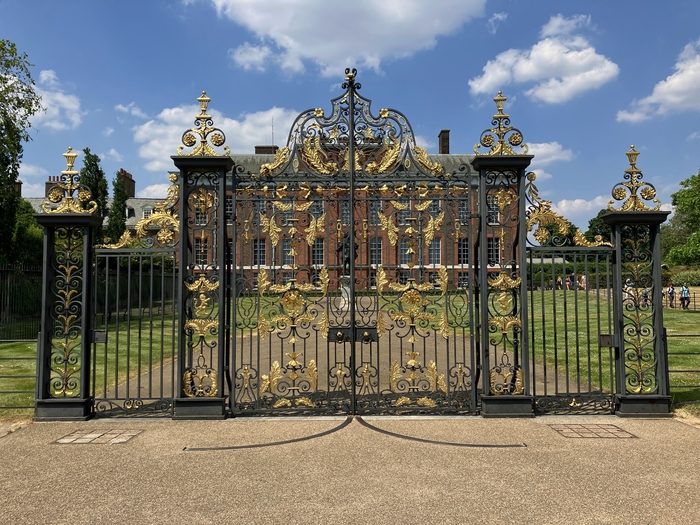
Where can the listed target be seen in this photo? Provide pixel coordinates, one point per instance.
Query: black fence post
(641, 363)
(203, 316)
(502, 262)
(63, 372)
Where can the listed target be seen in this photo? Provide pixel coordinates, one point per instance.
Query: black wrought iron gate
(353, 280)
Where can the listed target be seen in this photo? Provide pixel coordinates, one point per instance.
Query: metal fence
(20, 302)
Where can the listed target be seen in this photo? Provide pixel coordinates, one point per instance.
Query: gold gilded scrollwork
(205, 132)
(281, 157)
(62, 192)
(504, 129)
(496, 387)
(540, 213)
(634, 192)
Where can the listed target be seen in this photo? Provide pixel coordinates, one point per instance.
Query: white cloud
(677, 93)
(335, 35)
(131, 109)
(33, 190)
(562, 65)
(161, 136)
(249, 56)
(107, 131)
(541, 175)
(31, 170)
(547, 153)
(112, 154)
(62, 111)
(154, 191)
(580, 211)
(424, 142)
(48, 77)
(495, 21)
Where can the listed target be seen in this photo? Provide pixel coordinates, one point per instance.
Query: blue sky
(584, 80)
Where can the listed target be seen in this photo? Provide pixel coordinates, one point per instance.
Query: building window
(434, 208)
(147, 212)
(345, 213)
(286, 249)
(259, 255)
(229, 209)
(463, 251)
(375, 208)
(402, 215)
(434, 251)
(404, 247)
(375, 251)
(286, 277)
(317, 253)
(402, 277)
(259, 209)
(316, 208)
(463, 211)
(201, 251)
(463, 279)
(200, 217)
(493, 255)
(492, 215)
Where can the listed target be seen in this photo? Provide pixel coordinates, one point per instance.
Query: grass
(18, 381)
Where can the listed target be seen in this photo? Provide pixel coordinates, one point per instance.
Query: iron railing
(20, 302)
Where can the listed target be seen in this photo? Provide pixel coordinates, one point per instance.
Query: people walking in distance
(629, 292)
(645, 298)
(671, 293)
(685, 296)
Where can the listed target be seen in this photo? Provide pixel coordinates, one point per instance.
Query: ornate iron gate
(353, 280)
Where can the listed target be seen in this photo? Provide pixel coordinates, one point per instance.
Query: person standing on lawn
(685, 296)
(671, 292)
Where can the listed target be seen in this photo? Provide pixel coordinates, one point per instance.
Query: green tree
(117, 211)
(27, 239)
(682, 238)
(18, 102)
(92, 176)
(596, 226)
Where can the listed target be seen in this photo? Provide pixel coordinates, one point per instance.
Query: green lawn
(17, 379)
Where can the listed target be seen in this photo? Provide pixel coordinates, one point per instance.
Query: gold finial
(203, 103)
(206, 132)
(70, 156)
(350, 75)
(502, 146)
(62, 192)
(627, 191)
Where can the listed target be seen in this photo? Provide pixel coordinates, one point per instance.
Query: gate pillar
(203, 312)
(502, 290)
(63, 371)
(641, 354)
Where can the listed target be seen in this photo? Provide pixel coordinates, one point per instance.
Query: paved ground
(215, 471)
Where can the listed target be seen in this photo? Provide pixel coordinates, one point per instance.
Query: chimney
(444, 142)
(266, 150)
(53, 179)
(129, 183)
(18, 187)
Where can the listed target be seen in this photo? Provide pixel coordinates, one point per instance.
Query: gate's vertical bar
(350, 85)
(502, 203)
(202, 320)
(63, 386)
(641, 354)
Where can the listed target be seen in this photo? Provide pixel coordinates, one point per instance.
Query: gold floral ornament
(205, 132)
(634, 192)
(507, 135)
(62, 192)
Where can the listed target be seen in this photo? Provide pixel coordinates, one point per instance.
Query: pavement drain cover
(592, 431)
(109, 437)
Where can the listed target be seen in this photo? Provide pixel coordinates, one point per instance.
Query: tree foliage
(18, 102)
(27, 238)
(596, 226)
(92, 176)
(681, 237)
(117, 211)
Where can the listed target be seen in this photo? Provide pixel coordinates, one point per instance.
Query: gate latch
(99, 336)
(362, 334)
(607, 340)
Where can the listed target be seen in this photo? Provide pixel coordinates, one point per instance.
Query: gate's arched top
(319, 143)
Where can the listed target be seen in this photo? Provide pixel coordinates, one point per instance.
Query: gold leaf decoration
(402, 401)
(433, 225)
(281, 157)
(505, 322)
(391, 229)
(381, 280)
(389, 155)
(437, 381)
(394, 375)
(421, 156)
(305, 401)
(426, 402)
(312, 374)
(284, 402)
(323, 324)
